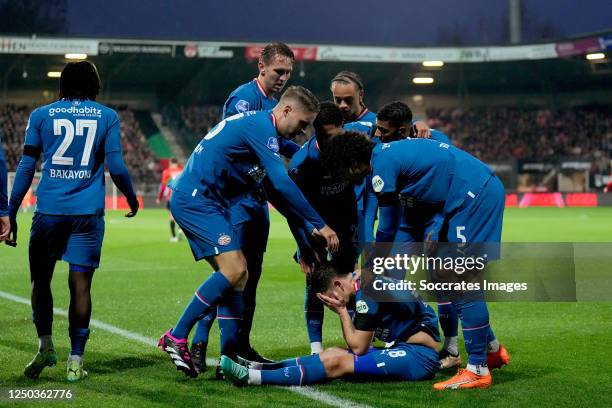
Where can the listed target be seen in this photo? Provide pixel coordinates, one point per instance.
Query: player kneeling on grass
(408, 322)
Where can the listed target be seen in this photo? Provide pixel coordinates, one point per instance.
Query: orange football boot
(498, 359)
(464, 379)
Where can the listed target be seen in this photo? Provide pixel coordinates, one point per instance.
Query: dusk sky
(381, 22)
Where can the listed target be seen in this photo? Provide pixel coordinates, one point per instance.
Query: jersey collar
(362, 114)
(261, 88)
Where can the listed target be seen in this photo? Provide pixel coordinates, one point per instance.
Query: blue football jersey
(248, 97)
(366, 123)
(401, 315)
(427, 172)
(74, 137)
(233, 159)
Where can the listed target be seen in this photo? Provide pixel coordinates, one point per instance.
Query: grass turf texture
(559, 351)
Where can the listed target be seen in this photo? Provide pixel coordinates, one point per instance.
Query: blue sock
(313, 311)
(296, 375)
(206, 297)
(292, 362)
(475, 325)
(449, 321)
(229, 317)
(78, 338)
(203, 327)
(490, 335)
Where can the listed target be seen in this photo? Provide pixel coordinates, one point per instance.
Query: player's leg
(313, 369)
(314, 314)
(83, 252)
(214, 241)
(479, 221)
(449, 322)
(253, 235)
(173, 237)
(48, 236)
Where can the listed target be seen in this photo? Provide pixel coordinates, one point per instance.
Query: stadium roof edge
(338, 52)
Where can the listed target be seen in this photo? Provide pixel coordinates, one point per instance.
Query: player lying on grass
(68, 222)
(230, 161)
(465, 203)
(407, 321)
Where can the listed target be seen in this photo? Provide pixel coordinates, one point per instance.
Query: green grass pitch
(560, 351)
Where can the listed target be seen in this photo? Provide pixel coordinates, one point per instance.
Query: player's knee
(234, 267)
(337, 362)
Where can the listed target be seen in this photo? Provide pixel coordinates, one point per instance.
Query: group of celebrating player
(358, 165)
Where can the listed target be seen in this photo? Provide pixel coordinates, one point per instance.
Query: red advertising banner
(252, 52)
(578, 47)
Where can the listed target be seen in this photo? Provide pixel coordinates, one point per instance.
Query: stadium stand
(501, 133)
(141, 160)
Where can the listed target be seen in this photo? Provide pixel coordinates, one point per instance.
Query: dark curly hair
(79, 80)
(346, 150)
(329, 114)
(396, 113)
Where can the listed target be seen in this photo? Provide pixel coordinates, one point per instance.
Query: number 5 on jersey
(81, 125)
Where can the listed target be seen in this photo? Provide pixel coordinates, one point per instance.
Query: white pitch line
(308, 392)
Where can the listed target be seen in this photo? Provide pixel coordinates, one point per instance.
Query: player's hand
(308, 261)
(306, 266)
(157, 201)
(11, 240)
(421, 130)
(134, 205)
(334, 302)
(329, 235)
(5, 227)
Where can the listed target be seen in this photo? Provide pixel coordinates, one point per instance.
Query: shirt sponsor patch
(273, 144)
(377, 184)
(242, 106)
(361, 307)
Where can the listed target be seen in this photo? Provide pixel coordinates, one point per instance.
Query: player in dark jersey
(231, 161)
(327, 195)
(75, 135)
(409, 323)
(250, 216)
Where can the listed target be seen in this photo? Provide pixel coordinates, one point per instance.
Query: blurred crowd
(140, 160)
(497, 133)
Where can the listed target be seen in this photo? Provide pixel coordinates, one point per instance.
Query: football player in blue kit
(5, 225)
(466, 203)
(75, 135)
(249, 215)
(394, 122)
(348, 93)
(406, 321)
(231, 161)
